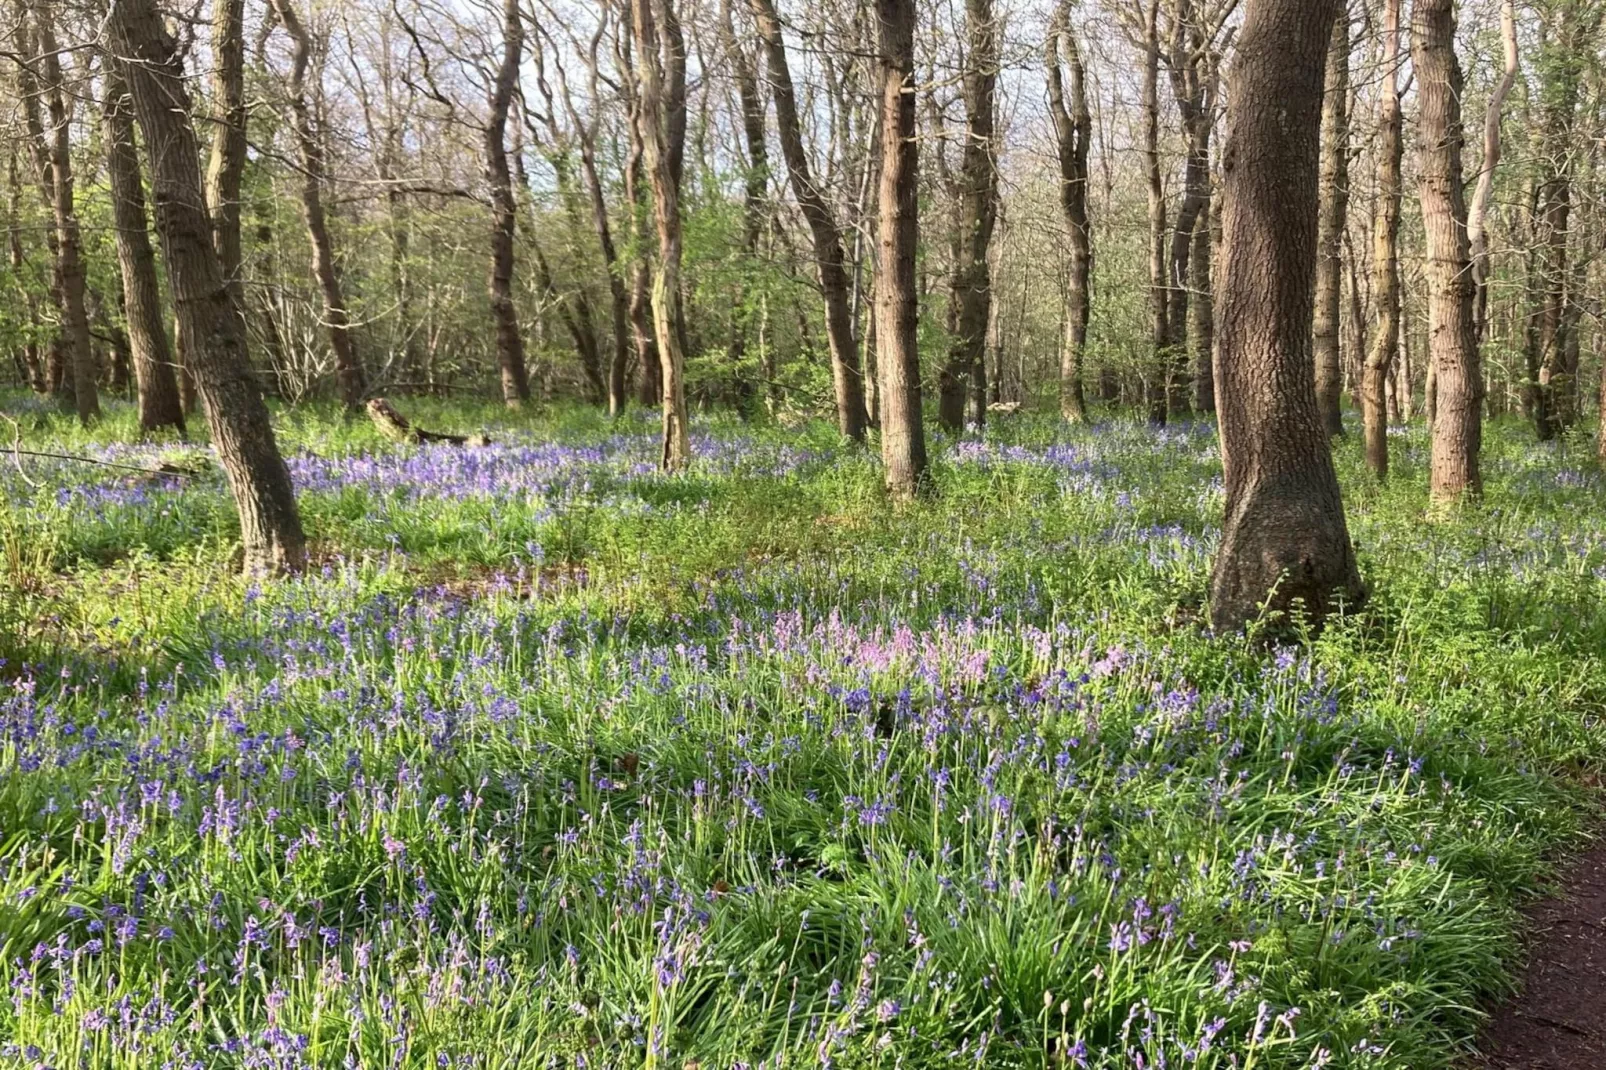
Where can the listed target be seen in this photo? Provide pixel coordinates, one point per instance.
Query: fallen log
(396, 427)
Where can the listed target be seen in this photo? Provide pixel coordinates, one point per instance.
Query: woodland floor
(1558, 1020)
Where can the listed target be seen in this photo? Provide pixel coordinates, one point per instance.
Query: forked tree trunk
(972, 286)
(1458, 417)
(1380, 356)
(1330, 228)
(337, 319)
(661, 63)
(505, 214)
(241, 431)
(903, 438)
(823, 228)
(155, 384)
(1284, 540)
(1073, 129)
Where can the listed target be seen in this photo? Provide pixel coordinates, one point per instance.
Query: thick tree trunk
(41, 79)
(1380, 356)
(226, 165)
(661, 63)
(241, 431)
(504, 214)
(1330, 228)
(337, 319)
(903, 438)
(1458, 421)
(971, 286)
(1285, 540)
(157, 387)
(823, 228)
(1073, 129)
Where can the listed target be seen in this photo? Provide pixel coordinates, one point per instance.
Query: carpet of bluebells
(553, 761)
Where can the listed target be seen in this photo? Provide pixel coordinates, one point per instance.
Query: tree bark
(156, 386)
(1284, 540)
(226, 165)
(971, 285)
(903, 438)
(1330, 228)
(1191, 67)
(337, 319)
(1157, 380)
(756, 186)
(1458, 421)
(1380, 357)
(1073, 129)
(504, 214)
(241, 431)
(823, 228)
(661, 66)
(1477, 235)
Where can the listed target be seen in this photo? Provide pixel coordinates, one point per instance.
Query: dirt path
(1558, 1020)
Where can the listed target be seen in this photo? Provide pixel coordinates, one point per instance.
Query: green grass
(551, 760)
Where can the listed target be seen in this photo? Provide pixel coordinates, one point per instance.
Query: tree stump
(396, 427)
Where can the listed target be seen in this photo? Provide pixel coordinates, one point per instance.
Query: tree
(971, 285)
(226, 166)
(1477, 233)
(1073, 130)
(823, 229)
(504, 213)
(348, 368)
(1380, 355)
(903, 437)
(1144, 31)
(1330, 227)
(755, 179)
(242, 434)
(1284, 540)
(155, 384)
(661, 67)
(1457, 423)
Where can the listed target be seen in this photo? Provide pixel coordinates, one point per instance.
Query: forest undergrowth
(554, 760)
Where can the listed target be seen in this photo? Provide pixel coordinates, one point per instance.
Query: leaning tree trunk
(155, 384)
(1284, 541)
(348, 368)
(1457, 424)
(226, 166)
(823, 228)
(972, 284)
(1073, 129)
(903, 438)
(241, 431)
(662, 75)
(57, 175)
(1330, 228)
(505, 214)
(1380, 357)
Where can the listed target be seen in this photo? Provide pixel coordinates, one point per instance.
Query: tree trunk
(1458, 421)
(823, 228)
(903, 439)
(661, 63)
(1330, 228)
(26, 352)
(241, 431)
(756, 186)
(1376, 374)
(971, 285)
(156, 385)
(54, 155)
(1202, 310)
(1284, 540)
(1158, 377)
(226, 166)
(1477, 235)
(348, 368)
(504, 214)
(1191, 69)
(1073, 128)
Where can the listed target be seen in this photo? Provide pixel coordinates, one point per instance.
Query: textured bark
(755, 208)
(823, 227)
(242, 434)
(337, 319)
(1380, 356)
(1330, 228)
(226, 166)
(1284, 540)
(1202, 309)
(41, 79)
(661, 66)
(156, 386)
(971, 287)
(1191, 62)
(1477, 236)
(26, 353)
(504, 214)
(1073, 129)
(903, 439)
(1458, 421)
(1157, 380)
